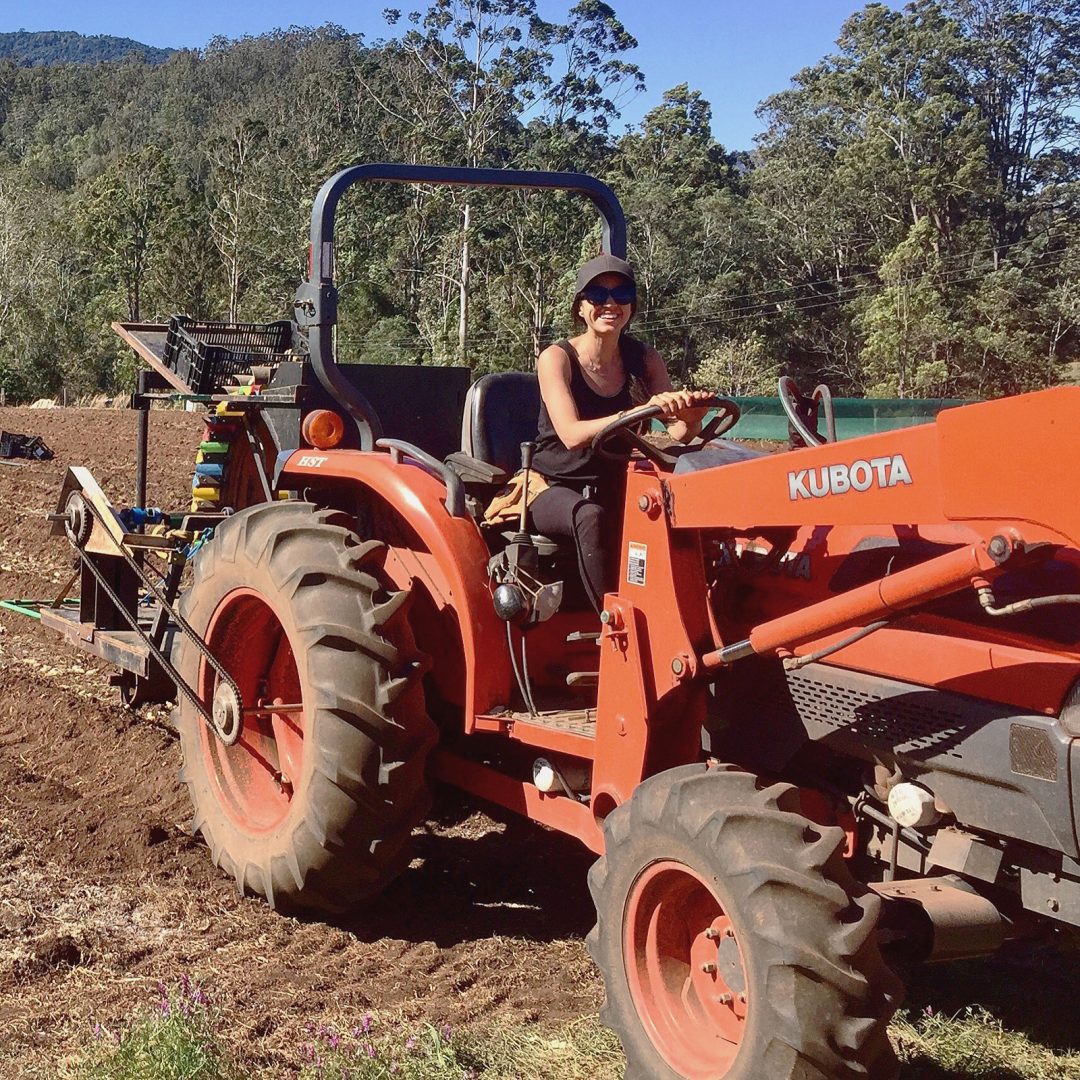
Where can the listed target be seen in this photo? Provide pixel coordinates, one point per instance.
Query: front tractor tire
(733, 942)
(312, 807)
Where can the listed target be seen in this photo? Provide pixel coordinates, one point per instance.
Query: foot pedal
(583, 678)
(583, 635)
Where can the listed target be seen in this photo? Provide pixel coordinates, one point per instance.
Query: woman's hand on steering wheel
(686, 405)
(727, 413)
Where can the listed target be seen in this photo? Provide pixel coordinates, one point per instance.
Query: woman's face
(608, 317)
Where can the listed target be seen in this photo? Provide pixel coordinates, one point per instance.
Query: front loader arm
(994, 466)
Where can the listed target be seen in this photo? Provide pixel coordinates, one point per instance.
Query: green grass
(583, 1050)
(174, 1040)
(178, 1038)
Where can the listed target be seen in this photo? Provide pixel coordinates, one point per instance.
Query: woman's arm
(682, 414)
(553, 371)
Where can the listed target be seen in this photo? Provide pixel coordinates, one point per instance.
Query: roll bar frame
(316, 299)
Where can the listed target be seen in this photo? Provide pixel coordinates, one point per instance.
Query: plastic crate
(205, 354)
(13, 445)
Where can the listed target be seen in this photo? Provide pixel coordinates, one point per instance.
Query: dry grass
(974, 1045)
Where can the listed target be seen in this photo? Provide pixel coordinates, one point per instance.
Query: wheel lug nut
(709, 969)
(712, 932)
(742, 999)
(729, 932)
(724, 999)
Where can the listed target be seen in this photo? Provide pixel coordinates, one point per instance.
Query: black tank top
(576, 468)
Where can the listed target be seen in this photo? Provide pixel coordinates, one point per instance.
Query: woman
(585, 383)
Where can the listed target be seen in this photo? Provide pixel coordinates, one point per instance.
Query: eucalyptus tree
(687, 232)
(120, 218)
(1021, 64)
(898, 174)
(590, 79)
(489, 82)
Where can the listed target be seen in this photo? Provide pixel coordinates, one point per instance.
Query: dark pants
(563, 513)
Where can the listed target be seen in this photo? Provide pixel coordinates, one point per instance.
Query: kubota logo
(861, 475)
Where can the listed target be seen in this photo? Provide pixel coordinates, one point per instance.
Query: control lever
(527, 449)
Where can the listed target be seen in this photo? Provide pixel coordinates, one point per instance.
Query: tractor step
(568, 731)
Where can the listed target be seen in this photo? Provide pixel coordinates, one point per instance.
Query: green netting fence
(763, 418)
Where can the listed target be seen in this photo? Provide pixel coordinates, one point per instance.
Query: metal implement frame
(167, 610)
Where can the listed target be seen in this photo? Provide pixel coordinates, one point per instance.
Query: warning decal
(637, 555)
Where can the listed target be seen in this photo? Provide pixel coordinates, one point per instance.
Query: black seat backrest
(501, 412)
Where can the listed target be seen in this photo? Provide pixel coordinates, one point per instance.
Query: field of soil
(104, 893)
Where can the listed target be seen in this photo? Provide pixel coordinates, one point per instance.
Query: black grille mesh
(904, 722)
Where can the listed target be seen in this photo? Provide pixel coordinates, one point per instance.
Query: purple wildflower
(447, 1032)
(410, 1042)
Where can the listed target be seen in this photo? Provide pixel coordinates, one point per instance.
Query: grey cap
(603, 264)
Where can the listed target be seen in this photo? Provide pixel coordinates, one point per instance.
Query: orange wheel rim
(685, 970)
(256, 779)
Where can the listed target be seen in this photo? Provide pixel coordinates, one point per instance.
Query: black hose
(533, 711)
(525, 696)
(793, 663)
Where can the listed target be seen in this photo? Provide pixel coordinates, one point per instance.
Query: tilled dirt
(104, 893)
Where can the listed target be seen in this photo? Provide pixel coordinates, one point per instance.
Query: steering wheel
(622, 427)
(802, 411)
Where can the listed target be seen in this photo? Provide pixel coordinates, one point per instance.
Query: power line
(783, 291)
(758, 311)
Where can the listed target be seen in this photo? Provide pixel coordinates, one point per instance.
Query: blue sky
(736, 52)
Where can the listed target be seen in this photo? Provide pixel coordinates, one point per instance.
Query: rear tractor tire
(733, 942)
(313, 806)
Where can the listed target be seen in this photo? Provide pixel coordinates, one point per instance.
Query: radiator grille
(904, 722)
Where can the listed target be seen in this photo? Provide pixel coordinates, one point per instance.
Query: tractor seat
(501, 412)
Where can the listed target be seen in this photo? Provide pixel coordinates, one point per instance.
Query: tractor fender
(452, 544)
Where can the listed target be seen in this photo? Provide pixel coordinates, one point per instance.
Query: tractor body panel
(446, 554)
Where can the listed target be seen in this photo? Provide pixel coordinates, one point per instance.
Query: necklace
(598, 368)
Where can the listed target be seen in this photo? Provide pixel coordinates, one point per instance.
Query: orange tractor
(825, 725)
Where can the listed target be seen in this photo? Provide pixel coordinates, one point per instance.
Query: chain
(181, 622)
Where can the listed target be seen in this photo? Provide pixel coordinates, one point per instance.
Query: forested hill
(907, 225)
(67, 47)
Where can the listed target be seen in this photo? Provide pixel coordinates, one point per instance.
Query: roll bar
(316, 299)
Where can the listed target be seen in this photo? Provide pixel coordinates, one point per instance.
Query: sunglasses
(600, 294)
